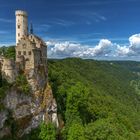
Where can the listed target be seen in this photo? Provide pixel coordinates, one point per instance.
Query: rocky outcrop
(28, 110)
(5, 131)
(37, 78)
(50, 106)
(15, 98)
(3, 118)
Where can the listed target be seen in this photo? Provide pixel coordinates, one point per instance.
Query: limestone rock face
(28, 110)
(3, 118)
(3, 129)
(36, 78)
(15, 98)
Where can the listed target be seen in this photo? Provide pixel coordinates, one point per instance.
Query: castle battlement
(21, 13)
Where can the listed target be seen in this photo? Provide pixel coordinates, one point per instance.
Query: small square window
(29, 52)
(24, 52)
(19, 52)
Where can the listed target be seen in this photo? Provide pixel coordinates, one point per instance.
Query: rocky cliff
(25, 111)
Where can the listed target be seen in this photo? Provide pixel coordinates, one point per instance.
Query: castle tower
(21, 25)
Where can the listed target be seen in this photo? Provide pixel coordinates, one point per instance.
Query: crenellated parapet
(21, 13)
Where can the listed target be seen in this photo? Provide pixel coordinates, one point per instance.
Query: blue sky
(79, 23)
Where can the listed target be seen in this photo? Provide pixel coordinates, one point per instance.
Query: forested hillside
(97, 99)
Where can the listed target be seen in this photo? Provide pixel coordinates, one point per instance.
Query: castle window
(18, 34)
(29, 52)
(24, 52)
(19, 52)
(18, 26)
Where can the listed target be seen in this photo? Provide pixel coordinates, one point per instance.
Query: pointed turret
(31, 28)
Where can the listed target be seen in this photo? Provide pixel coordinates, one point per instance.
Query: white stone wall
(25, 48)
(21, 25)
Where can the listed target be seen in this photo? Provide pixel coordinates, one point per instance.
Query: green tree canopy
(48, 132)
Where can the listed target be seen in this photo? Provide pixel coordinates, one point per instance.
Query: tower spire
(31, 28)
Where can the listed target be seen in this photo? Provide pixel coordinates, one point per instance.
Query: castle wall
(40, 44)
(37, 57)
(20, 62)
(24, 48)
(31, 54)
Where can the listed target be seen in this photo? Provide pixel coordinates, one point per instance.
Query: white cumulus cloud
(135, 43)
(123, 51)
(104, 49)
(133, 49)
(68, 49)
(62, 49)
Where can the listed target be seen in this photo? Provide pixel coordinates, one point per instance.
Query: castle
(30, 61)
(31, 51)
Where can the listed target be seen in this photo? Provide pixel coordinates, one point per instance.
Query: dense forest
(97, 100)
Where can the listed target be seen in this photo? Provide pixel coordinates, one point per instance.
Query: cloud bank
(104, 49)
